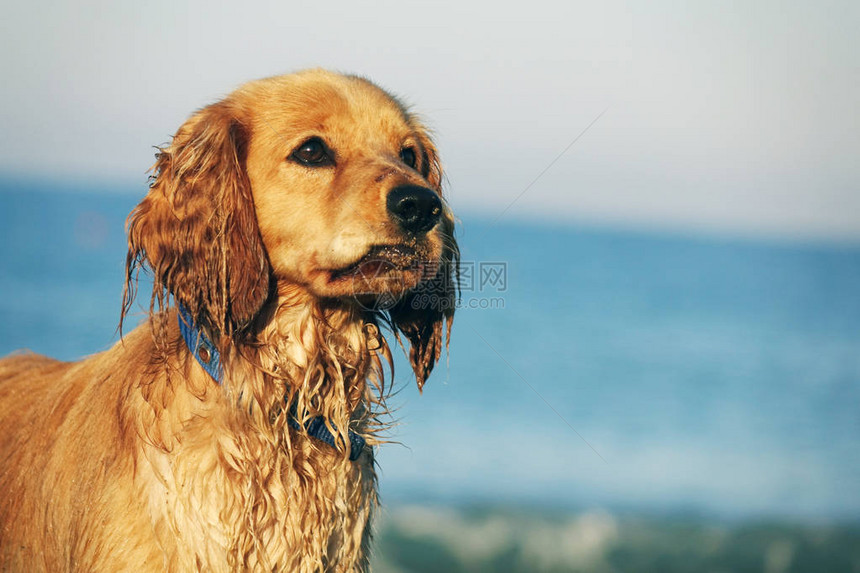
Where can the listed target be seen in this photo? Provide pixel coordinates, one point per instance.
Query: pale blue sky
(735, 118)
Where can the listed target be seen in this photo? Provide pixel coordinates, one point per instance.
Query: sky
(714, 117)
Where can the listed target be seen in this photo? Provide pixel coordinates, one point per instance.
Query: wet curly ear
(197, 230)
(425, 315)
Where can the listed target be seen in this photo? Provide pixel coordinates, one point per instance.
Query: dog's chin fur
(135, 458)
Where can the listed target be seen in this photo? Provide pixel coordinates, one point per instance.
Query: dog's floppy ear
(426, 313)
(197, 230)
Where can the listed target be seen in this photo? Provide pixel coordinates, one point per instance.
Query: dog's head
(314, 181)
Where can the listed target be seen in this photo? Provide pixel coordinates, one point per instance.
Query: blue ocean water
(588, 367)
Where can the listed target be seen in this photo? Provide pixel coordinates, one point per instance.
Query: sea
(589, 368)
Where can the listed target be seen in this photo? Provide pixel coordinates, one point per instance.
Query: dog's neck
(324, 357)
(320, 358)
(207, 355)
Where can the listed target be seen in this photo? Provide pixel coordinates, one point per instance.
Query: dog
(288, 229)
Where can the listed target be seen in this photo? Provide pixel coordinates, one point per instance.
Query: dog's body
(276, 220)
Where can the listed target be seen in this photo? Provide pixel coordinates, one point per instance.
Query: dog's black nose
(416, 209)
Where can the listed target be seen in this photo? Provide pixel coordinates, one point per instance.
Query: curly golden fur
(270, 218)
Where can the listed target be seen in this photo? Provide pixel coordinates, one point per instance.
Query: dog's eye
(407, 156)
(313, 153)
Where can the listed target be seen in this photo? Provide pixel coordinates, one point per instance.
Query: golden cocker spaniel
(285, 227)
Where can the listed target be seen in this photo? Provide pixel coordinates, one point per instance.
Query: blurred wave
(430, 539)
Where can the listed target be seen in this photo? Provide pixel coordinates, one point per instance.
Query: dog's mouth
(380, 260)
(388, 270)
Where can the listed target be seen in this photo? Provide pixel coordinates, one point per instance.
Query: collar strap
(207, 355)
(203, 350)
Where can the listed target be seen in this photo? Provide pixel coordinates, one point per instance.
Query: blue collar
(207, 355)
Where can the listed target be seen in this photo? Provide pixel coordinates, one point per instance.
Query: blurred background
(656, 365)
